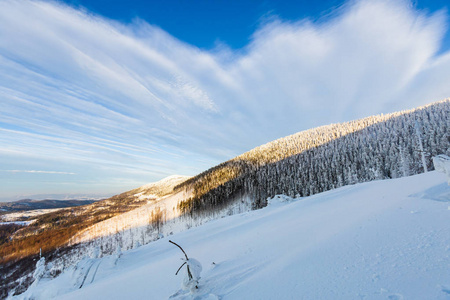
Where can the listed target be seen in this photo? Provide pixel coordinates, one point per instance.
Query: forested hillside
(327, 157)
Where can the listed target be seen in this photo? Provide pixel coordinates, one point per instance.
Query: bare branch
(189, 271)
(180, 248)
(180, 268)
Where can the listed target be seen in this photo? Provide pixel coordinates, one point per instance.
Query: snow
(190, 282)
(142, 196)
(380, 240)
(195, 267)
(134, 222)
(442, 164)
(170, 182)
(21, 223)
(132, 228)
(15, 216)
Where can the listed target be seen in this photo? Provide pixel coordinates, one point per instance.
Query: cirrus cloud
(40, 172)
(129, 103)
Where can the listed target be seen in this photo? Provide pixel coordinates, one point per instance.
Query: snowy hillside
(327, 157)
(136, 224)
(158, 189)
(385, 239)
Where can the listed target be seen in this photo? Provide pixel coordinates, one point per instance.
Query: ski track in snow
(379, 240)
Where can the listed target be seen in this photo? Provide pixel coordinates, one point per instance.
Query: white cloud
(75, 87)
(40, 172)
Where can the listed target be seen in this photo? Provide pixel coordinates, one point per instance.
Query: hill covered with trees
(327, 157)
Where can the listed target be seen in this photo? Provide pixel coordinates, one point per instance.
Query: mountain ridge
(227, 179)
(31, 204)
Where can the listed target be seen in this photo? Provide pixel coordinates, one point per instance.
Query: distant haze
(56, 197)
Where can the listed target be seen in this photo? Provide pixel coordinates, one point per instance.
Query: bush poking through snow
(193, 270)
(40, 270)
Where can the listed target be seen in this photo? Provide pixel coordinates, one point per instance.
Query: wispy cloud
(40, 172)
(88, 94)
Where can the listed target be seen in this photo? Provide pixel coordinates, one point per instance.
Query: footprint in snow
(395, 297)
(208, 297)
(184, 295)
(445, 289)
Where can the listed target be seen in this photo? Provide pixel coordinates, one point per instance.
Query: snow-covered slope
(134, 222)
(160, 188)
(160, 217)
(379, 240)
(160, 198)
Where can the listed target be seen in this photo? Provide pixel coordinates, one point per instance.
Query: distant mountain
(29, 204)
(63, 196)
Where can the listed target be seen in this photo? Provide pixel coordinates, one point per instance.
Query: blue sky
(206, 23)
(98, 97)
